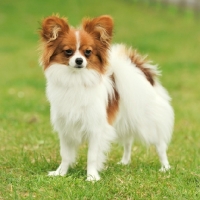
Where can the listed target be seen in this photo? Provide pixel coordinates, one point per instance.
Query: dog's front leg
(99, 144)
(92, 158)
(68, 154)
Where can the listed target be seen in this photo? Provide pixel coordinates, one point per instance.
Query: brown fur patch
(54, 51)
(96, 60)
(141, 63)
(100, 29)
(113, 105)
(52, 27)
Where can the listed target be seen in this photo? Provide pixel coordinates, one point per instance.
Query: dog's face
(86, 47)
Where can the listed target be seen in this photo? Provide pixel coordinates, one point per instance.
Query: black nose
(79, 61)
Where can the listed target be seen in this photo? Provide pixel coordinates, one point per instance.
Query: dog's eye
(69, 52)
(88, 52)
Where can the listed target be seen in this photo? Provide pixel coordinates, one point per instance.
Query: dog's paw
(60, 171)
(123, 162)
(56, 173)
(93, 177)
(165, 168)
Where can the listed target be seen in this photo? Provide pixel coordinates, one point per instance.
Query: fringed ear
(101, 28)
(53, 27)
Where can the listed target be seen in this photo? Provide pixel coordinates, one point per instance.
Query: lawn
(28, 146)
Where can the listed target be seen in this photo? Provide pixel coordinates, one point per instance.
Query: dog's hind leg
(162, 153)
(127, 144)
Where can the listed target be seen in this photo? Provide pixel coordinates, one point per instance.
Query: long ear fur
(52, 27)
(101, 28)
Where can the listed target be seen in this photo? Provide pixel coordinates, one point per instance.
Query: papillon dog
(100, 93)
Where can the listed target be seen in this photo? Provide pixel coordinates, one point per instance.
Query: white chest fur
(78, 99)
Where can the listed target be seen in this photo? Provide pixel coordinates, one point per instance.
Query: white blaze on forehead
(77, 40)
(77, 53)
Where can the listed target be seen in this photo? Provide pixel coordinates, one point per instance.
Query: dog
(101, 93)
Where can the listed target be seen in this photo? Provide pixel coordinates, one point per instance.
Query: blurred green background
(28, 148)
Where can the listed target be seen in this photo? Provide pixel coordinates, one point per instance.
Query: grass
(28, 146)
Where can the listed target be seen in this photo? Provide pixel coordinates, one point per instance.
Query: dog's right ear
(53, 27)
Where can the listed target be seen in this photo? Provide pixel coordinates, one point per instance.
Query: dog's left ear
(101, 28)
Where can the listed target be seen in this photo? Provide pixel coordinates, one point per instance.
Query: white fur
(79, 98)
(72, 61)
(145, 112)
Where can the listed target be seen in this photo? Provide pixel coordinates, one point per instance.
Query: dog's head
(76, 48)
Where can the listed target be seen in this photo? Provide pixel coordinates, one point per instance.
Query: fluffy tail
(150, 71)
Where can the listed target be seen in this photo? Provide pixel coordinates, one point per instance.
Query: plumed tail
(150, 71)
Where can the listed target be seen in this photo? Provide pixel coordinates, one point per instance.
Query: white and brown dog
(99, 93)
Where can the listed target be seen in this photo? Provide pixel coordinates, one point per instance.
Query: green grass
(29, 148)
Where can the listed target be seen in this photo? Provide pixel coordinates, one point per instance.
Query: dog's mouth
(78, 66)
